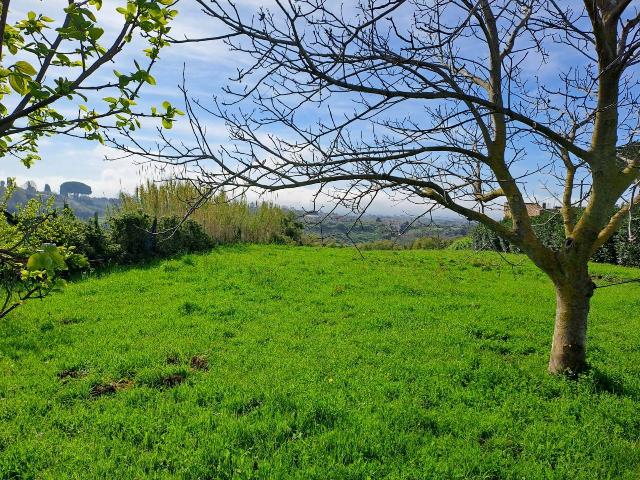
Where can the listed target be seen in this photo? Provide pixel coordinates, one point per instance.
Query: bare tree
(455, 103)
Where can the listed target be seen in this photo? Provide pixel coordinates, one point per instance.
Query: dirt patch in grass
(71, 373)
(101, 389)
(173, 379)
(173, 359)
(199, 362)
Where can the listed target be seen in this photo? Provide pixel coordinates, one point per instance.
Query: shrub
(550, 228)
(61, 228)
(98, 245)
(462, 243)
(430, 243)
(483, 238)
(27, 269)
(185, 237)
(627, 241)
(130, 234)
(292, 230)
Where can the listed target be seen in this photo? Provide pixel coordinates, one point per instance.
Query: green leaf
(18, 84)
(39, 261)
(25, 67)
(54, 253)
(95, 33)
(58, 285)
(166, 123)
(166, 105)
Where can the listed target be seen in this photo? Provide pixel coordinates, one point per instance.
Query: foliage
(137, 236)
(224, 220)
(29, 268)
(550, 229)
(46, 85)
(430, 243)
(130, 232)
(178, 236)
(483, 238)
(292, 229)
(627, 241)
(61, 228)
(407, 365)
(81, 240)
(462, 243)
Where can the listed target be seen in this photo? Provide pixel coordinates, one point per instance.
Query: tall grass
(224, 220)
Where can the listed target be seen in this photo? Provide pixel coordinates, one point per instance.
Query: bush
(137, 237)
(483, 238)
(627, 241)
(550, 229)
(462, 243)
(130, 232)
(430, 243)
(181, 238)
(292, 230)
(30, 266)
(61, 228)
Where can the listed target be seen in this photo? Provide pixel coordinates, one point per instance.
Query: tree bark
(568, 350)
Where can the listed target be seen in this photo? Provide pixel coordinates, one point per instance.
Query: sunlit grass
(276, 362)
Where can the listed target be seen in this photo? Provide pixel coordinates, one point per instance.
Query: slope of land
(277, 362)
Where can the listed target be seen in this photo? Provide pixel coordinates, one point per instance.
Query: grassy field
(276, 362)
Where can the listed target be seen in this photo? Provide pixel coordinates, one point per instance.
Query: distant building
(533, 209)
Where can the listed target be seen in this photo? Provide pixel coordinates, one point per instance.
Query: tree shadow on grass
(600, 381)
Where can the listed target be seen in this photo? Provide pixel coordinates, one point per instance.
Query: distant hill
(83, 206)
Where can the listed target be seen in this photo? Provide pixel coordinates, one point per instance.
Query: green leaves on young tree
(47, 61)
(28, 268)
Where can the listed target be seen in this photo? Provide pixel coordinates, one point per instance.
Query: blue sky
(208, 67)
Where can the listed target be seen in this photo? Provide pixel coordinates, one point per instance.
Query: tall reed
(224, 220)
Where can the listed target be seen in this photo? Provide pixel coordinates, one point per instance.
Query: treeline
(623, 248)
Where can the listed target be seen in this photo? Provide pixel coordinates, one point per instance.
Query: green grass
(276, 362)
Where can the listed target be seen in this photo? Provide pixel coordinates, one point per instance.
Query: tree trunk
(568, 351)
